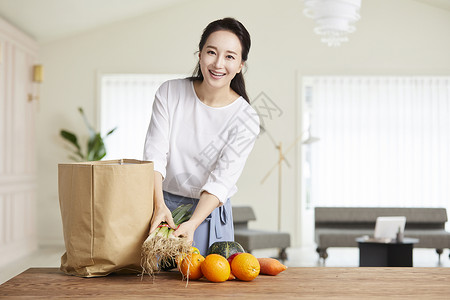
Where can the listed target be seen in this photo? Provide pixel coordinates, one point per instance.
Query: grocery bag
(106, 207)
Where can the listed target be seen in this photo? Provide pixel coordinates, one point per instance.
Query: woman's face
(221, 58)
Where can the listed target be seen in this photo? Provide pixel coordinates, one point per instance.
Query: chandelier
(334, 18)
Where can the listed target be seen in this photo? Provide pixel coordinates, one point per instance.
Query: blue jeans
(218, 226)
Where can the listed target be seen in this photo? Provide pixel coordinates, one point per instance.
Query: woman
(200, 135)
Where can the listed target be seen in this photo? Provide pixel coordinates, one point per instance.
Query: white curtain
(126, 103)
(384, 141)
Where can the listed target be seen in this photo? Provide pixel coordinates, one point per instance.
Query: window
(384, 141)
(126, 103)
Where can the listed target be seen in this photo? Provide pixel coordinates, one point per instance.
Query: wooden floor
(309, 283)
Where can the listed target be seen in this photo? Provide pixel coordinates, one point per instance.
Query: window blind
(126, 103)
(384, 141)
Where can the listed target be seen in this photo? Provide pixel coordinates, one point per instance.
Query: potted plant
(95, 149)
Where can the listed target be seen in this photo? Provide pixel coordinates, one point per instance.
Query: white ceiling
(48, 20)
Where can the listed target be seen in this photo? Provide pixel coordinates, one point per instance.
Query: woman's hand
(161, 214)
(205, 206)
(186, 230)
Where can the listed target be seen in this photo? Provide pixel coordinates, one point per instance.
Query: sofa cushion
(438, 239)
(243, 214)
(370, 214)
(257, 239)
(331, 237)
(328, 237)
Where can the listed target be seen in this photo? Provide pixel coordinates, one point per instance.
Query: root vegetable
(161, 247)
(271, 266)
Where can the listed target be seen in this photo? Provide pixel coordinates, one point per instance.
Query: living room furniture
(340, 226)
(378, 253)
(294, 283)
(252, 239)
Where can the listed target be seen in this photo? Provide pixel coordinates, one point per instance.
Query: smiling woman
(200, 135)
(219, 46)
(220, 63)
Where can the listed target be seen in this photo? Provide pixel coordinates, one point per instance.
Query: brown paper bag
(106, 208)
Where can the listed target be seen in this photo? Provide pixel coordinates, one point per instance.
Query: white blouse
(197, 147)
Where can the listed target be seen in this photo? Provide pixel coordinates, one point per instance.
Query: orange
(245, 267)
(216, 268)
(191, 266)
(180, 257)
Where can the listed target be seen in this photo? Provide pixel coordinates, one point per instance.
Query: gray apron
(218, 226)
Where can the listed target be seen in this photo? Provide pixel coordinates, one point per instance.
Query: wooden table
(313, 283)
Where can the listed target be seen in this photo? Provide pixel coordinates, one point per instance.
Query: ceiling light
(334, 18)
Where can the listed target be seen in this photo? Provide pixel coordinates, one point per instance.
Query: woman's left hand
(186, 230)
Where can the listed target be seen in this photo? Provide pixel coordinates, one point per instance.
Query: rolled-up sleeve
(239, 141)
(156, 145)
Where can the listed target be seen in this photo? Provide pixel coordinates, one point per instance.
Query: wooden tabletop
(312, 283)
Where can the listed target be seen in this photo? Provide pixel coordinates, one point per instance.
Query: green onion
(162, 246)
(180, 215)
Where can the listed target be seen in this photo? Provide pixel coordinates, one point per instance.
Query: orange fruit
(180, 257)
(216, 268)
(191, 266)
(245, 267)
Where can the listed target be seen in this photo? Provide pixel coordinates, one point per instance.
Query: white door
(18, 232)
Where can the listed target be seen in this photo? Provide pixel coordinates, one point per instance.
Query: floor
(50, 256)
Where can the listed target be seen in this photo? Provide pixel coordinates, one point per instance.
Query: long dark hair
(236, 27)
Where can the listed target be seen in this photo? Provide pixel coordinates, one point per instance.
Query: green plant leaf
(80, 155)
(111, 131)
(96, 148)
(88, 125)
(70, 137)
(100, 155)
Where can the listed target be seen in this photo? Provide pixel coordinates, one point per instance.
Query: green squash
(226, 249)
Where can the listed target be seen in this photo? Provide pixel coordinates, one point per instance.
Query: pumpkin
(226, 249)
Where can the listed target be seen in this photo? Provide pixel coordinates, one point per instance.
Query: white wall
(402, 37)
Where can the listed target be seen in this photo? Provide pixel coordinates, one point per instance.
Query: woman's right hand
(161, 214)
